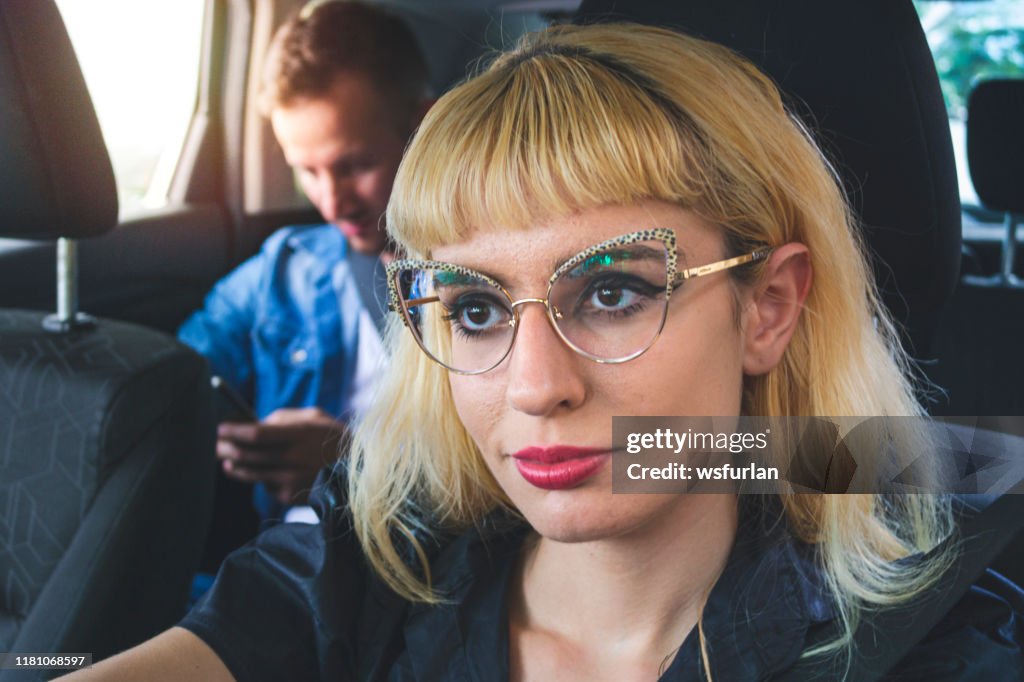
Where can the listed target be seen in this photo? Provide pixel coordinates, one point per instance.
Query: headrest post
(1010, 278)
(67, 278)
(67, 318)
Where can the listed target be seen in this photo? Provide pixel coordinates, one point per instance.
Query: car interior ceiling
(126, 396)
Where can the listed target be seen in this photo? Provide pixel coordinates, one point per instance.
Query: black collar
(756, 622)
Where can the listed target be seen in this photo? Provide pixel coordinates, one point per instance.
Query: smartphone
(240, 409)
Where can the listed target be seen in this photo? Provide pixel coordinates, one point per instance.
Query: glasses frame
(674, 280)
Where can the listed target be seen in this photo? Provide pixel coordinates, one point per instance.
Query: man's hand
(285, 451)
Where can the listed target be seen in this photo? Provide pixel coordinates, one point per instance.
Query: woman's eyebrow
(449, 278)
(635, 251)
(629, 251)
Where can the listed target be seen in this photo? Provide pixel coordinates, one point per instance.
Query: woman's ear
(771, 314)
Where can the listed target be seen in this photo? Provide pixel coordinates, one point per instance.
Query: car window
(971, 41)
(144, 89)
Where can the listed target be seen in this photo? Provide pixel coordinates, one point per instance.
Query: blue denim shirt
(283, 327)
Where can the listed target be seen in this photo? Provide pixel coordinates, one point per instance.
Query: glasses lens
(611, 304)
(462, 321)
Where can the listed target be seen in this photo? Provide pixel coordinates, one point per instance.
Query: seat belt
(883, 638)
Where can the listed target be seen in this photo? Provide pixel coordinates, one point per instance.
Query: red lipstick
(560, 466)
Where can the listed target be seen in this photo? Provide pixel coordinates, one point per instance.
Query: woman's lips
(558, 467)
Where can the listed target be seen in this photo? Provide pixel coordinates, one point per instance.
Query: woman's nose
(544, 373)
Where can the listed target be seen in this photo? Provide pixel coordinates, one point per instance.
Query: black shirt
(300, 603)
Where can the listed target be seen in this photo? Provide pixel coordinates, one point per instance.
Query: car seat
(995, 154)
(106, 429)
(980, 339)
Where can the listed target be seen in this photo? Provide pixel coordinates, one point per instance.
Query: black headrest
(995, 143)
(861, 76)
(55, 175)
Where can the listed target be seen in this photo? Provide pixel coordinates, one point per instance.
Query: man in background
(295, 329)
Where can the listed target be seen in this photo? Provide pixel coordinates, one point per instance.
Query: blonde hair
(580, 117)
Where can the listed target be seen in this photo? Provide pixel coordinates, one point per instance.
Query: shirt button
(299, 356)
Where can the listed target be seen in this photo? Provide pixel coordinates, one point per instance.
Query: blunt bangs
(546, 131)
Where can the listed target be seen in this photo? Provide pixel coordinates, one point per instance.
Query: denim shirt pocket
(287, 359)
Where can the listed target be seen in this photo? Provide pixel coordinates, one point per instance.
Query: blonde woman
(610, 220)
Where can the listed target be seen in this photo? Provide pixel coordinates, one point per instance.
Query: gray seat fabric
(105, 472)
(106, 432)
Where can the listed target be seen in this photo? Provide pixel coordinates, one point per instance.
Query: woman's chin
(587, 517)
(571, 533)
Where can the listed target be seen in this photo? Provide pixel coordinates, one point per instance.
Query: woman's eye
(476, 316)
(612, 298)
(617, 295)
